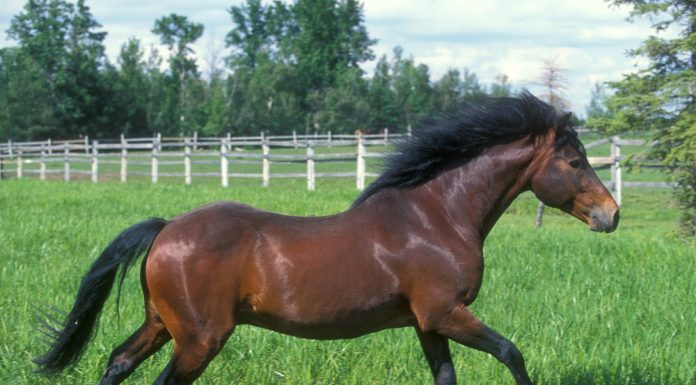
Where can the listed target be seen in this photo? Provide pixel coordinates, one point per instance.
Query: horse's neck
(477, 193)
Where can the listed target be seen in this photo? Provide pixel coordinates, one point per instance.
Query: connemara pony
(408, 253)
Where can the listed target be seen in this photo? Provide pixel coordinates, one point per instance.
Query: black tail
(69, 343)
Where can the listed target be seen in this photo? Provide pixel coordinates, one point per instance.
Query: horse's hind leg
(436, 349)
(192, 354)
(141, 345)
(461, 326)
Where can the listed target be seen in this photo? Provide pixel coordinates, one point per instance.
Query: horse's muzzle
(604, 220)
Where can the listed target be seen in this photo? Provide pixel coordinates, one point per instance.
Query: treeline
(292, 67)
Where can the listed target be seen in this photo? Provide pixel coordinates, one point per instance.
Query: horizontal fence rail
(225, 158)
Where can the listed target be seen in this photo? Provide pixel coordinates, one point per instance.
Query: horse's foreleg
(461, 326)
(436, 349)
(141, 345)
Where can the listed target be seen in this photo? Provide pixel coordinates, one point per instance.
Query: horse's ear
(564, 120)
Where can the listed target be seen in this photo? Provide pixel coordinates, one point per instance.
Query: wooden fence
(184, 152)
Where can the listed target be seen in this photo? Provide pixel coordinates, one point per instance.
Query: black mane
(463, 134)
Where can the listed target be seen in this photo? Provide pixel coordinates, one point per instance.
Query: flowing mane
(463, 134)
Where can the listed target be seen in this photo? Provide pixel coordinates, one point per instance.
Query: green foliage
(661, 99)
(178, 33)
(293, 66)
(60, 58)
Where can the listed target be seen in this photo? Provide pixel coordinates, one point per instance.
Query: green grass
(584, 308)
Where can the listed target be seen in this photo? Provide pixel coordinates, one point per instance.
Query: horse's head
(563, 178)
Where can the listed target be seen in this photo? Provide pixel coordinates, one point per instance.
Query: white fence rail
(231, 152)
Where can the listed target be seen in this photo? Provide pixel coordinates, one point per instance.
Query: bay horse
(408, 253)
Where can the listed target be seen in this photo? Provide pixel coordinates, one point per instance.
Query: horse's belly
(330, 324)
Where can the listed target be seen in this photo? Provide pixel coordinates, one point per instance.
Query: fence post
(266, 168)
(310, 167)
(19, 163)
(386, 136)
(50, 146)
(616, 169)
(360, 172)
(42, 163)
(224, 163)
(408, 131)
(66, 162)
(329, 138)
(124, 159)
(9, 148)
(155, 160)
(86, 144)
(187, 161)
(95, 161)
(294, 138)
(195, 140)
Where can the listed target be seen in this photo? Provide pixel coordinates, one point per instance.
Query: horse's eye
(575, 163)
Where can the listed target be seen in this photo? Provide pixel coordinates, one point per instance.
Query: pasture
(584, 308)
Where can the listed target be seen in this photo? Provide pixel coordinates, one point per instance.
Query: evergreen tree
(660, 100)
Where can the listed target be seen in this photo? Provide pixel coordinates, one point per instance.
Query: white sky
(490, 37)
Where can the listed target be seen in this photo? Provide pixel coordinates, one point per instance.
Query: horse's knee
(509, 354)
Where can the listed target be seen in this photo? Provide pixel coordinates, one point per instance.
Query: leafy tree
(65, 55)
(447, 92)
(412, 90)
(163, 97)
(251, 33)
(381, 97)
(661, 99)
(27, 110)
(472, 90)
(131, 89)
(500, 87)
(178, 33)
(344, 107)
(597, 108)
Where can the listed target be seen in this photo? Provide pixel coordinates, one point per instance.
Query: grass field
(584, 308)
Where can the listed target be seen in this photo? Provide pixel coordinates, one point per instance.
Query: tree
(131, 89)
(178, 33)
(344, 107)
(500, 88)
(251, 33)
(597, 108)
(472, 90)
(447, 92)
(413, 93)
(381, 97)
(62, 57)
(660, 100)
(554, 82)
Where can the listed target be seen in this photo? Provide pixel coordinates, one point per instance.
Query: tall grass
(584, 308)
